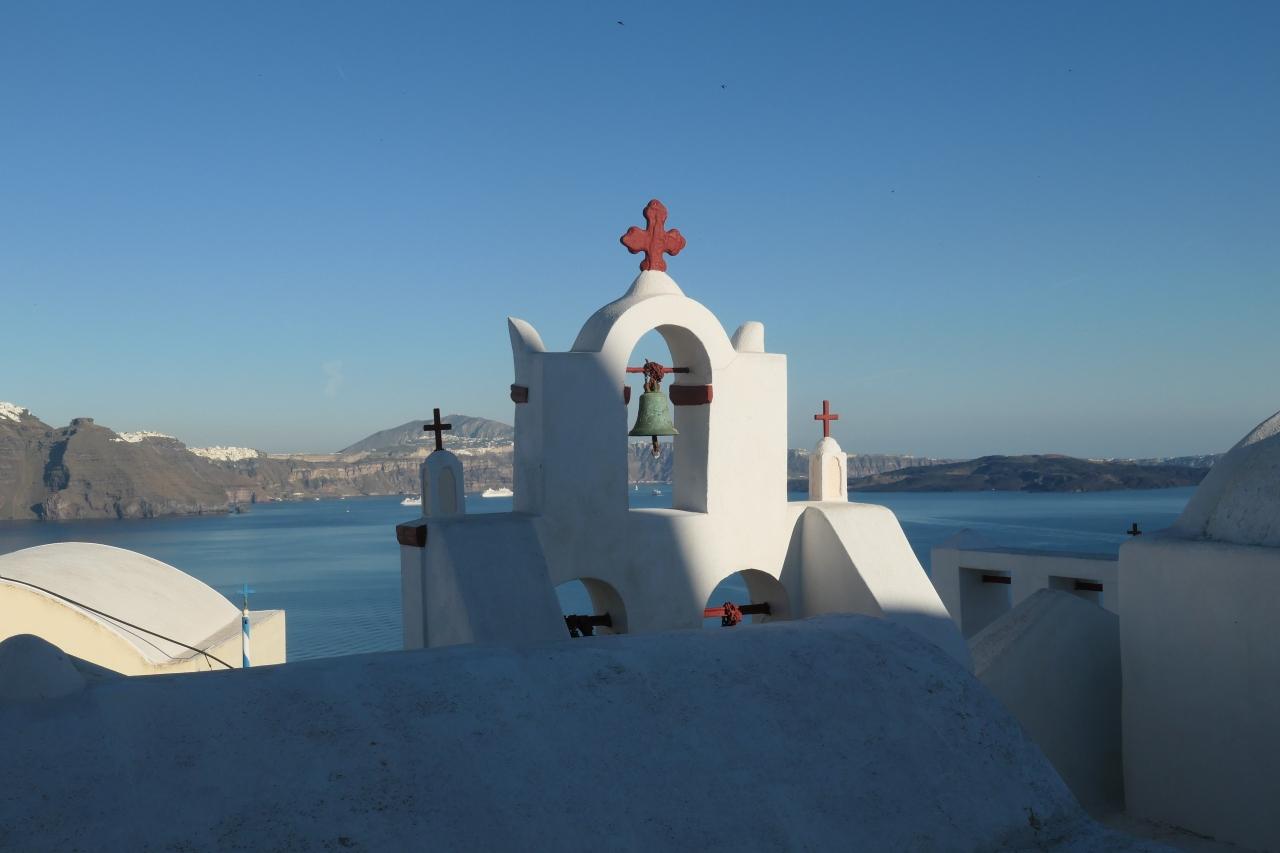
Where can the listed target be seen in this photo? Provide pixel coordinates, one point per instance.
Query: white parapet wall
(841, 732)
(1201, 664)
(979, 586)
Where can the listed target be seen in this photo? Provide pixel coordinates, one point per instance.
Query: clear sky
(976, 228)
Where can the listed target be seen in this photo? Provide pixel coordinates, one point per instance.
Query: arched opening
(754, 596)
(590, 607)
(677, 477)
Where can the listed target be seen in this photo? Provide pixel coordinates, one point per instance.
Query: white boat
(657, 491)
(496, 493)
(411, 501)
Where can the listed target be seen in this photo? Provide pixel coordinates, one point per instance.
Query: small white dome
(132, 587)
(1239, 501)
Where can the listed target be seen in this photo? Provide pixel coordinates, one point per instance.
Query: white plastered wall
(957, 575)
(1201, 667)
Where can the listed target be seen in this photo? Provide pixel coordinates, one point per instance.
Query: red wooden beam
(412, 533)
(691, 395)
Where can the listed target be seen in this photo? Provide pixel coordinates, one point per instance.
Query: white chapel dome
(1239, 501)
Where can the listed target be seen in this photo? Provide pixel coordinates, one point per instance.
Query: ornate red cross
(654, 240)
(826, 417)
(438, 428)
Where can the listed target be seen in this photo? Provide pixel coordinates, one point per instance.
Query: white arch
(694, 335)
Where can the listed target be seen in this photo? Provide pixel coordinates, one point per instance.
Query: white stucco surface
(132, 588)
(836, 733)
(442, 484)
(828, 471)
(1054, 661)
(1201, 669)
(1239, 500)
(33, 669)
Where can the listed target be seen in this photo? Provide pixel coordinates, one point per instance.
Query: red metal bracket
(519, 394)
(731, 614)
(691, 395)
(665, 370)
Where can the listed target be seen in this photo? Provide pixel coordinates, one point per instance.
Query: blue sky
(976, 228)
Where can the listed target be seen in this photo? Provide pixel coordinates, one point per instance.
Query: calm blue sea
(335, 567)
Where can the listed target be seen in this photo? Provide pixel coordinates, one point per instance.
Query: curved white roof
(1239, 501)
(131, 587)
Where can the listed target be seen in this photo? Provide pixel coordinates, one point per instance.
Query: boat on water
(412, 500)
(657, 491)
(497, 493)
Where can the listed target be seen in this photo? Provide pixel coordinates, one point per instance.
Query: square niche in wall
(985, 596)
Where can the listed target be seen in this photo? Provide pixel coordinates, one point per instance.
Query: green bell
(654, 418)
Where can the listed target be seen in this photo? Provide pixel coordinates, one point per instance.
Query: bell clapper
(657, 451)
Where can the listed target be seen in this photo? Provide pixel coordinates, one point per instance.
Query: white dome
(131, 587)
(1239, 501)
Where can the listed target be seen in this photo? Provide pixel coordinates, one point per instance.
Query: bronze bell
(654, 418)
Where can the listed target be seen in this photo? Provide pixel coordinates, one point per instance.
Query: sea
(334, 564)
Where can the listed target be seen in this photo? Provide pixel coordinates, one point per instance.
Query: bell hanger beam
(665, 370)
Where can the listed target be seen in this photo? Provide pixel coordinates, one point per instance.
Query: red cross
(654, 240)
(438, 428)
(826, 417)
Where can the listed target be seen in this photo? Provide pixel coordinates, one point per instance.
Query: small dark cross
(655, 239)
(826, 417)
(1134, 531)
(438, 428)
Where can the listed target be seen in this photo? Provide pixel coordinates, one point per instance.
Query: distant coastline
(86, 470)
(1041, 473)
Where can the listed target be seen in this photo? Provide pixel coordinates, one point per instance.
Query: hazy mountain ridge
(1031, 473)
(85, 470)
(466, 431)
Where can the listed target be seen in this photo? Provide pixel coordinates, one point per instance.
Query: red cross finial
(438, 428)
(826, 417)
(654, 240)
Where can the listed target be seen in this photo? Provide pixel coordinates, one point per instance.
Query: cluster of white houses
(1151, 682)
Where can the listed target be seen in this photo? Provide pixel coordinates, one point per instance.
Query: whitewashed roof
(131, 587)
(1239, 501)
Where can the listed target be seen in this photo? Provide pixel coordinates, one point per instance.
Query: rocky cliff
(87, 471)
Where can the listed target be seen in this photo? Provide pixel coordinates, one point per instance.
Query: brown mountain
(1046, 473)
(88, 471)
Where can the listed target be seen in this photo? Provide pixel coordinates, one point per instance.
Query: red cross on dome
(826, 417)
(653, 240)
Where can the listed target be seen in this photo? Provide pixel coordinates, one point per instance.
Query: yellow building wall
(25, 611)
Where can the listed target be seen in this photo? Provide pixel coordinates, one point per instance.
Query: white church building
(491, 578)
